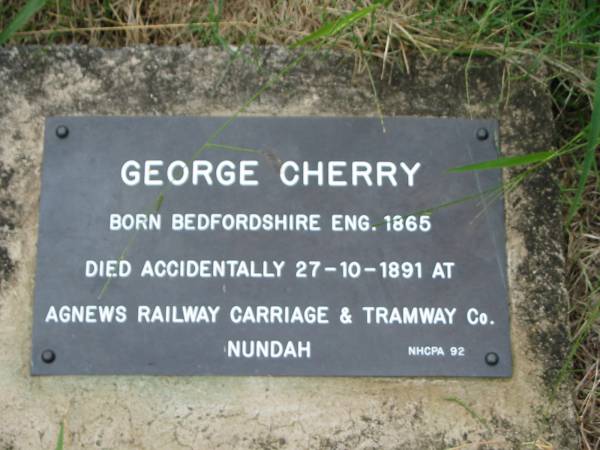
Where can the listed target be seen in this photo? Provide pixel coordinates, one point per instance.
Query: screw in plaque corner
(48, 356)
(62, 131)
(482, 134)
(492, 358)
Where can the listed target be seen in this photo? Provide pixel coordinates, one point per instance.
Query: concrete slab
(268, 413)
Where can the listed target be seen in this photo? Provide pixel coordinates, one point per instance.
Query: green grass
(21, 18)
(60, 440)
(470, 410)
(509, 161)
(593, 132)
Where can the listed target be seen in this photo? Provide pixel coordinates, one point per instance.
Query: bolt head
(48, 356)
(482, 134)
(62, 131)
(492, 358)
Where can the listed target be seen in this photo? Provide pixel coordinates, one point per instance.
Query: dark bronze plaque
(284, 246)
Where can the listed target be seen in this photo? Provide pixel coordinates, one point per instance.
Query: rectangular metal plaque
(270, 246)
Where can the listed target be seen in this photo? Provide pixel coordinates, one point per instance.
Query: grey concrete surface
(263, 412)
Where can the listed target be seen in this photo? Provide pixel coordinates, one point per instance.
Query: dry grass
(583, 253)
(562, 35)
(403, 26)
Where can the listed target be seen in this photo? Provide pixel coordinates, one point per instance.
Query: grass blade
(21, 19)
(592, 142)
(470, 410)
(159, 201)
(591, 318)
(332, 28)
(61, 437)
(509, 161)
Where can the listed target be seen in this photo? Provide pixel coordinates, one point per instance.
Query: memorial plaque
(270, 246)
